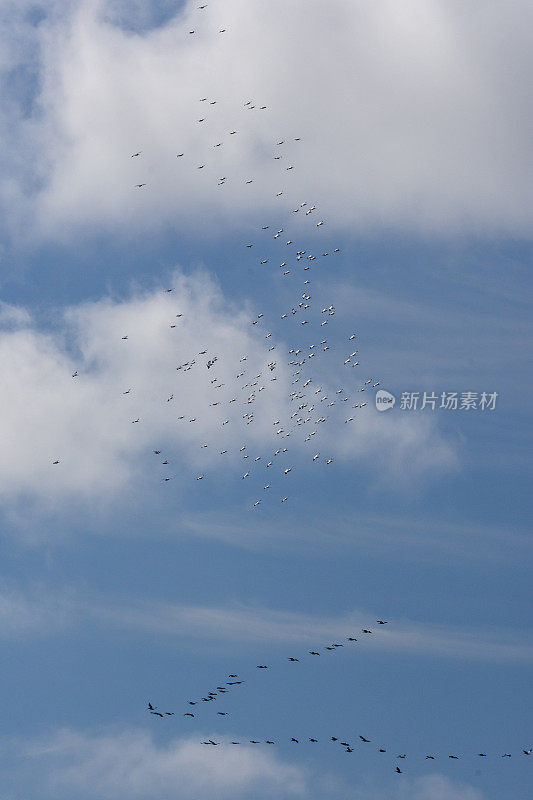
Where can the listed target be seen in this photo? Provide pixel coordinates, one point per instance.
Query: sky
(226, 233)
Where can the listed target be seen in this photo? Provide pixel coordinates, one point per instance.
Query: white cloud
(413, 118)
(428, 787)
(13, 316)
(127, 763)
(36, 613)
(438, 787)
(130, 764)
(86, 422)
(261, 625)
(44, 613)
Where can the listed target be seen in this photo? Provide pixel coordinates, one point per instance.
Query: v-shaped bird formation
(350, 744)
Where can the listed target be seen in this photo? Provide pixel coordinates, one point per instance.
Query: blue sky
(117, 587)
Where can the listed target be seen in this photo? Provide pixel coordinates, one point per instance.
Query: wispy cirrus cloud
(400, 536)
(259, 625)
(45, 612)
(428, 787)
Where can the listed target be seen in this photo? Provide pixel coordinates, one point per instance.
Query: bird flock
(293, 245)
(348, 744)
(234, 679)
(310, 405)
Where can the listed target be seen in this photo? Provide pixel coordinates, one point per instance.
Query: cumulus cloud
(88, 423)
(13, 316)
(85, 421)
(130, 764)
(425, 130)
